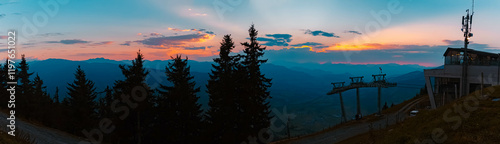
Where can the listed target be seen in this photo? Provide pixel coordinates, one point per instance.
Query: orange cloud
(352, 47)
(204, 38)
(366, 46)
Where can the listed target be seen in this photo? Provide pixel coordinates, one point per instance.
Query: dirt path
(346, 132)
(41, 135)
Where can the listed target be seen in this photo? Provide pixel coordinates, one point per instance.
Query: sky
(294, 31)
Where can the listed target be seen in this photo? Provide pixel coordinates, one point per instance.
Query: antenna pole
(466, 23)
(465, 57)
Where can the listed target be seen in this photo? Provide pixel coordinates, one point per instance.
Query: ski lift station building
(446, 83)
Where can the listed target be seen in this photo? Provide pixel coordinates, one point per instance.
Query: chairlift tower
(338, 85)
(357, 81)
(379, 81)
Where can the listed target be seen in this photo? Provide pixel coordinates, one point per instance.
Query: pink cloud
(102, 43)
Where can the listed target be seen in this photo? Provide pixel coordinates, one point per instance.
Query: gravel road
(42, 135)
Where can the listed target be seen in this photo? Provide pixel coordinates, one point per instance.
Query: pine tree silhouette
(56, 96)
(179, 112)
(56, 116)
(136, 125)
(104, 105)
(24, 92)
(223, 89)
(81, 103)
(41, 100)
(255, 106)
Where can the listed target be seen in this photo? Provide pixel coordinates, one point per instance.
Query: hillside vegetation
(470, 119)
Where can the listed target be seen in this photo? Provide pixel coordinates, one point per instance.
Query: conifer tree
(136, 124)
(38, 87)
(41, 100)
(81, 103)
(24, 91)
(105, 103)
(223, 115)
(56, 115)
(179, 111)
(56, 96)
(255, 105)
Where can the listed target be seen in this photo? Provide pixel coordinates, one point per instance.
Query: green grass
(481, 125)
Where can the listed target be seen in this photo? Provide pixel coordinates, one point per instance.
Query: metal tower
(337, 85)
(466, 28)
(357, 81)
(379, 81)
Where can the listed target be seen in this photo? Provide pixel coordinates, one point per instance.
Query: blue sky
(318, 31)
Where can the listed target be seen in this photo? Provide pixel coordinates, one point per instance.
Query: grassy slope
(366, 119)
(481, 126)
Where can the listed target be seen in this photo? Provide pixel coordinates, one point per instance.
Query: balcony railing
(458, 60)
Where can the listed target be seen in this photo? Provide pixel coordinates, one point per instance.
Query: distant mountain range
(301, 88)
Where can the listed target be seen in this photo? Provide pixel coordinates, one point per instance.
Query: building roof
(471, 51)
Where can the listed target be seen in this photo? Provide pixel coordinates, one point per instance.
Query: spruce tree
(24, 90)
(223, 115)
(179, 111)
(40, 100)
(81, 103)
(56, 96)
(137, 123)
(56, 115)
(255, 105)
(38, 87)
(105, 104)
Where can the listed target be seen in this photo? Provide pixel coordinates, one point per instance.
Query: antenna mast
(466, 28)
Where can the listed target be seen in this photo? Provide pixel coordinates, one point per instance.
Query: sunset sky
(316, 31)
